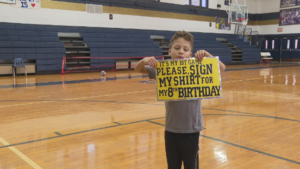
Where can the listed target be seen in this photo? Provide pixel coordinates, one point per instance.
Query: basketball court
(92, 121)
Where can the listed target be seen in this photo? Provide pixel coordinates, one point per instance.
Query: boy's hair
(185, 35)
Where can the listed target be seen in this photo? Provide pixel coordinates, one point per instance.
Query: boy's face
(181, 49)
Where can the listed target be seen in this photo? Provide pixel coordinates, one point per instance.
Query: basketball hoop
(244, 21)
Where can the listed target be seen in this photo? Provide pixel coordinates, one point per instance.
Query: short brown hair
(185, 35)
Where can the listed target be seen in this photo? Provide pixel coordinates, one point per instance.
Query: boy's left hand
(200, 54)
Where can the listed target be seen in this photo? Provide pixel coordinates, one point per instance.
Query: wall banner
(28, 4)
(8, 1)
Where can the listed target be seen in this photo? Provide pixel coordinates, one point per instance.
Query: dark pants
(182, 147)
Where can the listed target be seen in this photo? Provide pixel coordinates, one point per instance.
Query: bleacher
(250, 52)
(40, 44)
(208, 42)
(119, 45)
(37, 47)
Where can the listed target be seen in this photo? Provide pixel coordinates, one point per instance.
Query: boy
(183, 118)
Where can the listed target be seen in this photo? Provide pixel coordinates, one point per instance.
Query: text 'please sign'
(188, 79)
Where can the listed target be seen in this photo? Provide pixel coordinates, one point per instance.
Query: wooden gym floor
(87, 121)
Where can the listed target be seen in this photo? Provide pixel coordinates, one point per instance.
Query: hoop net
(244, 21)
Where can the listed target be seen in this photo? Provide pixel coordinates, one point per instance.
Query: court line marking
(117, 78)
(236, 145)
(295, 98)
(150, 120)
(249, 114)
(130, 93)
(75, 98)
(57, 133)
(250, 149)
(252, 68)
(107, 127)
(118, 123)
(154, 122)
(238, 80)
(70, 82)
(21, 155)
(143, 91)
(253, 114)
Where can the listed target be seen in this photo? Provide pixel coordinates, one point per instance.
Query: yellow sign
(188, 79)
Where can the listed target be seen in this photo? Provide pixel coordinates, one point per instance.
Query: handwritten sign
(188, 79)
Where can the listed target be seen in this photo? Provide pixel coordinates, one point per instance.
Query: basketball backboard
(238, 13)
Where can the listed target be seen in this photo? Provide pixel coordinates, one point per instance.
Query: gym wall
(74, 14)
(263, 16)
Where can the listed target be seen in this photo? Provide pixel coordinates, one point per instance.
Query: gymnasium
(71, 99)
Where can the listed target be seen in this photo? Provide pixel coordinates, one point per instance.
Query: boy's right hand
(151, 61)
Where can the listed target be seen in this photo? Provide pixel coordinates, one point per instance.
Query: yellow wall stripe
(265, 22)
(252, 22)
(159, 14)
(269, 22)
(63, 5)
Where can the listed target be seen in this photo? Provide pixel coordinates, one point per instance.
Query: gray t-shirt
(181, 116)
